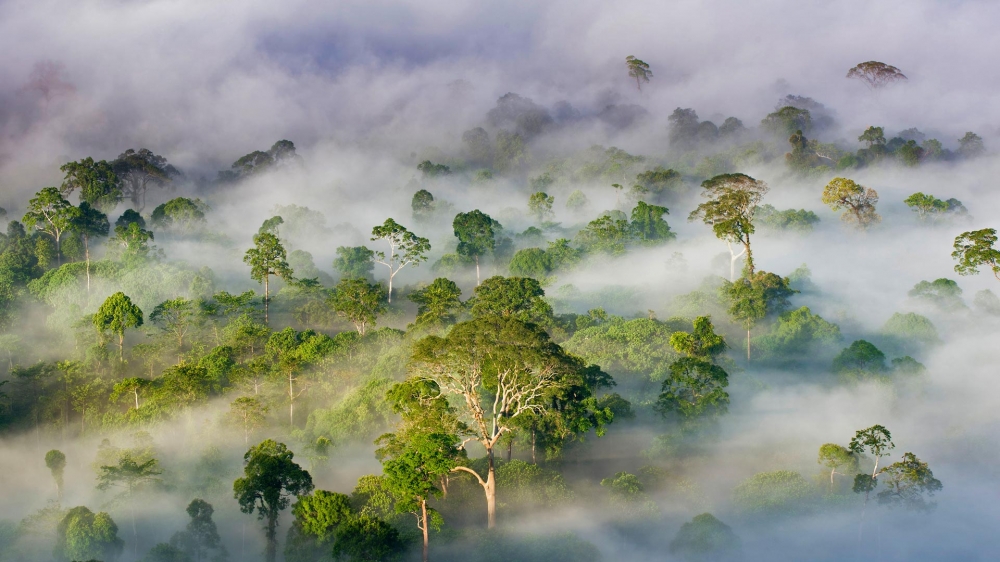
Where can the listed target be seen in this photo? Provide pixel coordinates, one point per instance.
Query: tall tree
(97, 182)
(639, 70)
(648, 226)
(129, 474)
(405, 248)
(694, 388)
(139, 170)
(50, 213)
(859, 201)
(116, 315)
(732, 202)
(499, 369)
(176, 317)
(477, 235)
(270, 478)
(876, 75)
(906, 482)
(438, 302)
(267, 258)
(90, 222)
(200, 538)
(248, 412)
(876, 441)
(55, 460)
(540, 206)
(752, 297)
(355, 261)
(835, 456)
(976, 249)
(85, 535)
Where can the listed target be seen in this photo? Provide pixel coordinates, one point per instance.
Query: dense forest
(602, 331)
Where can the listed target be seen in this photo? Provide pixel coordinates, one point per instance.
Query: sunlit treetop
(876, 75)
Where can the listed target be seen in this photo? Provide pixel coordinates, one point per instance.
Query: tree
(540, 206)
(129, 474)
(355, 262)
(511, 297)
(175, 317)
(131, 385)
(180, 214)
(249, 412)
(926, 206)
(971, 145)
(705, 538)
(87, 223)
(130, 216)
(367, 538)
(476, 233)
(859, 201)
(835, 456)
(906, 482)
(413, 465)
(648, 226)
(753, 297)
(133, 242)
(732, 202)
(55, 460)
(694, 388)
(422, 205)
(860, 360)
(975, 249)
(431, 170)
(788, 120)
(405, 248)
(140, 169)
(50, 213)
(97, 182)
(116, 315)
(876, 75)
(499, 369)
(873, 136)
(317, 517)
(85, 535)
(876, 441)
(701, 343)
(201, 536)
(577, 201)
(437, 303)
(639, 70)
(270, 477)
(359, 301)
(267, 258)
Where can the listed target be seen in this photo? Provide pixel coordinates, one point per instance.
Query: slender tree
(405, 248)
(270, 478)
(90, 222)
(201, 536)
(835, 456)
(476, 232)
(248, 412)
(639, 70)
(267, 258)
(876, 441)
(732, 202)
(55, 460)
(129, 474)
(359, 301)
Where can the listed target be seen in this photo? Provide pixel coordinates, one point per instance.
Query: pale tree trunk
(136, 392)
(86, 253)
(748, 343)
(423, 517)
(489, 487)
(265, 298)
(533, 446)
(733, 256)
(477, 270)
(291, 401)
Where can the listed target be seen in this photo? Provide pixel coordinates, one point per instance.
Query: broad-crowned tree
(694, 388)
(55, 461)
(521, 298)
(85, 535)
(139, 170)
(835, 456)
(753, 297)
(906, 482)
(701, 343)
(291, 352)
(355, 262)
(270, 478)
(639, 70)
(437, 303)
(877, 442)
(97, 182)
(648, 226)
(130, 474)
(176, 317)
(859, 202)
(131, 242)
(358, 301)
(180, 214)
(971, 145)
(706, 538)
(367, 538)
(116, 315)
(876, 75)
(90, 222)
(977, 249)
(317, 517)
(50, 213)
(540, 206)
(732, 201)
(477, 235)
(130, 387)
(267, 258)
(405, 248)
(499, 369)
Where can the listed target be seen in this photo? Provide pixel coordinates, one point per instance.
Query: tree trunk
(491, 492)
(58, 252)
(121, 347)
(86, 253)
(477, 270)
(136, 392)
(391, 274)
(291, 402)
(533, 446)
(423, 512)
(748, 344)
(265, 299)
(510, 449)
(271, 551)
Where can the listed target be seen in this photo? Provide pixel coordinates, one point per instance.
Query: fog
(369, 90)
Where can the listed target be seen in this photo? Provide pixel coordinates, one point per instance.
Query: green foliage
(860, 361)
(362, 413)
(180, 214)
(521, 298)
(628, 495)
(630, 350)
(798, 336)
(358, 301)
(355, 263)
(661, 183)
(705, 538)
(701, 343)
(648, 227)
(55, 461)
(200, 539)
(577, 201)
(789, 220)
(693, 389)
(787, 121)
(540, 206)
(430, 170)
(527, 487)
(96, 180)
(906, 483)
(909, 332)
(971, 145)
(782, 492)
(365, 538)
(987, 302)
(476, 233)
(320, 513)
(84, 535)
(858, 201)
(836, 457)
(116, 315)
(609, 234)
(732, 202)
(945, 294)
(975, 249)
(437, 303)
